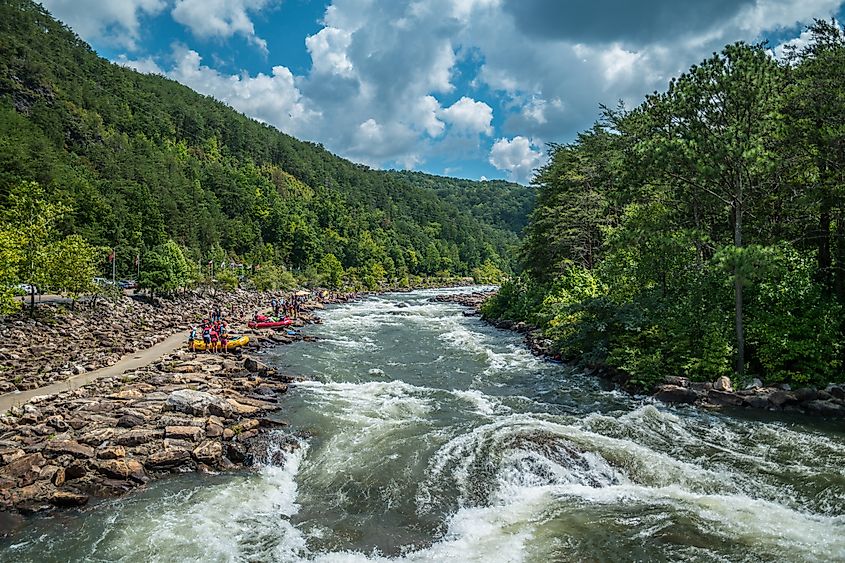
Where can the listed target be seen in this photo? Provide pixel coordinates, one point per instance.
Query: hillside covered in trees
(139, 162)
(703, 232)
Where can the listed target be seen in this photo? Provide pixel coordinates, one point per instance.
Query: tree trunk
(825, 261)
(740, 331)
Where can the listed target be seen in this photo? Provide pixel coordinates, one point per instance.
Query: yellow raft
(199, 345)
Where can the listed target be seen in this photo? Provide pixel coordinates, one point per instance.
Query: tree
(165, 268)
(72, 265)
(10, 246)
(33, 216)
(715, 124)
(331, 270)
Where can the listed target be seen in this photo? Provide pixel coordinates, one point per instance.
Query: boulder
(70, 447)
(68, 498)
(191, 433)
(111, 452)
(122, 469)
(254, 366)
(25, 465)
(723, 384)
(75, 470)
(209, 452)
(675, 394)
(197, 403)
(166, 459)
(240, 409)
(755, 384)
(137, 437)
(836, 391)
(725, 398)
(130, 421)
(806, 394)
(782, 398)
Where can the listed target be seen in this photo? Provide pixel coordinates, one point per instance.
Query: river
(429, 436)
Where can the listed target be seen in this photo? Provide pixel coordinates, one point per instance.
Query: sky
(467, 88)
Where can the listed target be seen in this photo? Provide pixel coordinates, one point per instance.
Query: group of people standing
(214, 332)
(290, 306)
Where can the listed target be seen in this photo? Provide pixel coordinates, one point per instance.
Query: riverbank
(828, 402)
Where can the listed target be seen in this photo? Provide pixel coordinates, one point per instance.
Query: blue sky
(467, 88)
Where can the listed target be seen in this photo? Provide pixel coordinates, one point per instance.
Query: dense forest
(703, 232)
(140, 163)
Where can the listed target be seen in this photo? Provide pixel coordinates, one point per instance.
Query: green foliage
(226, 279)
(703, 232)
(72, 265)
(488, 273)
(165, 269)
(271, 278)
(9, 258)
(141, 159)
(331, 271)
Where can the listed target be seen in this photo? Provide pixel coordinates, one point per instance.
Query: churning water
(429, 436)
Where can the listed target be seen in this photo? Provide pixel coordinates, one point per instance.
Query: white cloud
(113, 21)
(328, 51)
(469, 116)
(220, 18)
(273, 99)
(518, 157)
(146, 65)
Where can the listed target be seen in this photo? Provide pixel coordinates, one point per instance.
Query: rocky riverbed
(828, 402)
(185, 412)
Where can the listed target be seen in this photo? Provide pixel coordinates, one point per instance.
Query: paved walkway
(126, 363)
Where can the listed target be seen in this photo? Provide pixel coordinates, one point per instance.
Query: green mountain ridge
(140, 159)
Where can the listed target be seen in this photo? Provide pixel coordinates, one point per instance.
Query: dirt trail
(127, 362)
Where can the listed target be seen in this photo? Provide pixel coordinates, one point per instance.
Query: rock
(836, 391)
(785, 387)
(209, 452)
(111, 452)
(130, 421)
(677, 381)
(74, 471)
(127, 394)
(245, 425)
(723, 384)
(755, 384)
(782, 398)
(58, 478)
(191, 433)
(71, 447)
(137, 437)
(27, 468)
(68, 498)
(168, 458)
(675, 394)
(806, 394)
(197, 403)
(8, 455)
(724, 398)
(254, 366)
(239, 409)
(758, 401)
(122, 469)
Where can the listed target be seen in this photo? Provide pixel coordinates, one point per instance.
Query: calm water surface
(429, 436)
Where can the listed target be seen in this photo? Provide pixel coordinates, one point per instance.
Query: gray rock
(826, 408)
(782, 398)
(197, 403)
(755, 384)
(137, 437)
(725, 398)
(675, 394)
(71, 447)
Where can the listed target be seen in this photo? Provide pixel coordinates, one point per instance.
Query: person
(206, 336)
(224, 337)
(191, 338)
(215, 339)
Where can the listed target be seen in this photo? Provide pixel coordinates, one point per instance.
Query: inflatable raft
(234, 342)
(270, 323)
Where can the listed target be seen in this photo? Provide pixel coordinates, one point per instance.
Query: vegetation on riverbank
(703, 232)
(145, 166)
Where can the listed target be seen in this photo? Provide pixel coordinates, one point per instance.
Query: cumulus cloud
(380, 70)
(518, 157)
(147, 65)
(273, 99)
(115, 21)
(220, 18)
(469, 116)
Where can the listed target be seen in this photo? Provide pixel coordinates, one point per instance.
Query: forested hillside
(703, 232)
(139, 161)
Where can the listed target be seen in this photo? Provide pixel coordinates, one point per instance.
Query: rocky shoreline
(185, 412)
(828, 402)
